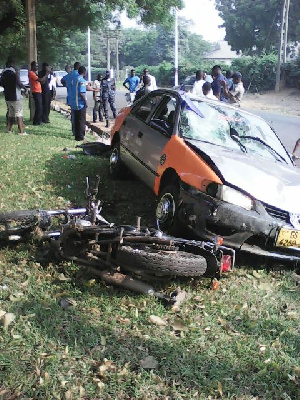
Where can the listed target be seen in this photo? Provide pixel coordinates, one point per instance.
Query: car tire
(116, 166)
(162, 263)
(167, 209)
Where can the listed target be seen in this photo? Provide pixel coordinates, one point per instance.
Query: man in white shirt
(199, 82)
(207, 92)
(235, 95)
(152, 85)
(97, 99)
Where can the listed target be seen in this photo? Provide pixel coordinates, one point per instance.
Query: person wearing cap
(131, 83)
(236, 94)
(199, 82)
(97, 99)
(108, 89)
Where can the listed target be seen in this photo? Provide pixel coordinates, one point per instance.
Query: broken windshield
(224, 126)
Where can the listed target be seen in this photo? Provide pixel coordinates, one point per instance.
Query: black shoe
(107, 124)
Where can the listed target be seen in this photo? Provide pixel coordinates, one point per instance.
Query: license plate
(288, 238)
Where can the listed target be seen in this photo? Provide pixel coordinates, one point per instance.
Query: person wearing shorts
(10, 80)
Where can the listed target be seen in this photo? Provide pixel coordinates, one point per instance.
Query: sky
(204, 16)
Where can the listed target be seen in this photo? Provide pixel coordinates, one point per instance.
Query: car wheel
(116, 166)
(167, 209)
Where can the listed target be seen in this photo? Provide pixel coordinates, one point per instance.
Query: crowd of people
(216, 86)
(42, 88)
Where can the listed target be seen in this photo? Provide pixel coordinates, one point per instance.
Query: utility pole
(176, 50)
(107, 51)
(117, 54)
(89, 55)
(282, 41)
(30, 32)
(286, 29)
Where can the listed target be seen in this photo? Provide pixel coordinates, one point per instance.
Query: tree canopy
(253, 26)
(57, 18)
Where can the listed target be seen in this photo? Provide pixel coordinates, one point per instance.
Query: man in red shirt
(36, 90)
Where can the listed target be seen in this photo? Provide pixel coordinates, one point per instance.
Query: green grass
(239, 342)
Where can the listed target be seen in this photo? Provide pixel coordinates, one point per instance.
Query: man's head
(34, 66)
(146, 71)
(216, 69)
(82, 70)
(206, 88)
(107, 73)
(132, 72)
(46, 67)
(199, 75)
(237, 77)
(214, 74)
(10, 62)
(68, 68)
(76, 65)
(228, 74)
(99, 77)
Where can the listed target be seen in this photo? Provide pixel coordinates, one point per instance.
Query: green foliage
(56, 19)
(253, 26)
(258, 72)
(292, 73)
(156, 45)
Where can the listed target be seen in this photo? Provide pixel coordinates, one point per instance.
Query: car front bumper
(253, 231)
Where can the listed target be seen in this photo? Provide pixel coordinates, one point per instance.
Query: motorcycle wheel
(161, 262)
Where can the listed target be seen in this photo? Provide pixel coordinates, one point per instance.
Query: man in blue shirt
(133, 82)
(216, 85)
(67, 82)
(77, 99)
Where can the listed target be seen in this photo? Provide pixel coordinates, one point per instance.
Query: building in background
(223, 53)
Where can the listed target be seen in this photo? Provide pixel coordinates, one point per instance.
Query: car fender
(188, 165)
(119, 122)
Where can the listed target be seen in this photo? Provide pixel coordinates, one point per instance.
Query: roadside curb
(96, 127)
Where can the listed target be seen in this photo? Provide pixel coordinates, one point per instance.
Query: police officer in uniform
(108, 88)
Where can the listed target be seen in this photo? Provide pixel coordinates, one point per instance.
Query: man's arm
(124, 84)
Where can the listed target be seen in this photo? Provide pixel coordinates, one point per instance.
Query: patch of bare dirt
(286, 101)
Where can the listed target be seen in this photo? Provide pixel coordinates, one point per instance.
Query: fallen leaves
(6, 319)
(157, 320)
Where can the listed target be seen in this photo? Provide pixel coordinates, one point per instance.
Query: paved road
(286, 126)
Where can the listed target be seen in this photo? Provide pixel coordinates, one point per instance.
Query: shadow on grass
(123, 199)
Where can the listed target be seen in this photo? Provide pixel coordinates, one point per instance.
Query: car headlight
(234, 196)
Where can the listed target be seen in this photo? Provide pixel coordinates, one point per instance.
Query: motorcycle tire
(17, 222)
(160, 262)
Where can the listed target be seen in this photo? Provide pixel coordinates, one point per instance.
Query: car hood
(274, 183)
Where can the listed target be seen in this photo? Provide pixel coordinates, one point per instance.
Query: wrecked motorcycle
(84, 236)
